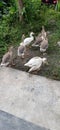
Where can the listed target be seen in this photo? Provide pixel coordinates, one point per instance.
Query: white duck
(35, 63)
(21, 51)
(7, 58)
(44, 45)
(28, 40)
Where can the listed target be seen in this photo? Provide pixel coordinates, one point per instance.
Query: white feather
(28, 40)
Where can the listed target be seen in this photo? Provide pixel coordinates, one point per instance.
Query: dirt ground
(52, 70)
(31, 52)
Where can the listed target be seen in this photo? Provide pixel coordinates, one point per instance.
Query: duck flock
(34, 63)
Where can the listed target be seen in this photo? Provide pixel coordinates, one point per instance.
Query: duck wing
(28, 40)
(36, 66)
(21, 49)
(44, 44)
(30, 63)
(33, 62)
(38, 41)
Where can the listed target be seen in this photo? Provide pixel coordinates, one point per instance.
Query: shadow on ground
(10, 122)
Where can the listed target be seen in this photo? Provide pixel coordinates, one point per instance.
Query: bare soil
(52, 70)
(49, 70)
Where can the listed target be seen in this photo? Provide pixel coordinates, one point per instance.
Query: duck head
(31, 34)
(44, 60)
(11, 49)
(42, 27)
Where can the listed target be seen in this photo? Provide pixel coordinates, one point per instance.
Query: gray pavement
(10, 122)
(32, 98)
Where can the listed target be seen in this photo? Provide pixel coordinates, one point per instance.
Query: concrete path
(32, 98)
